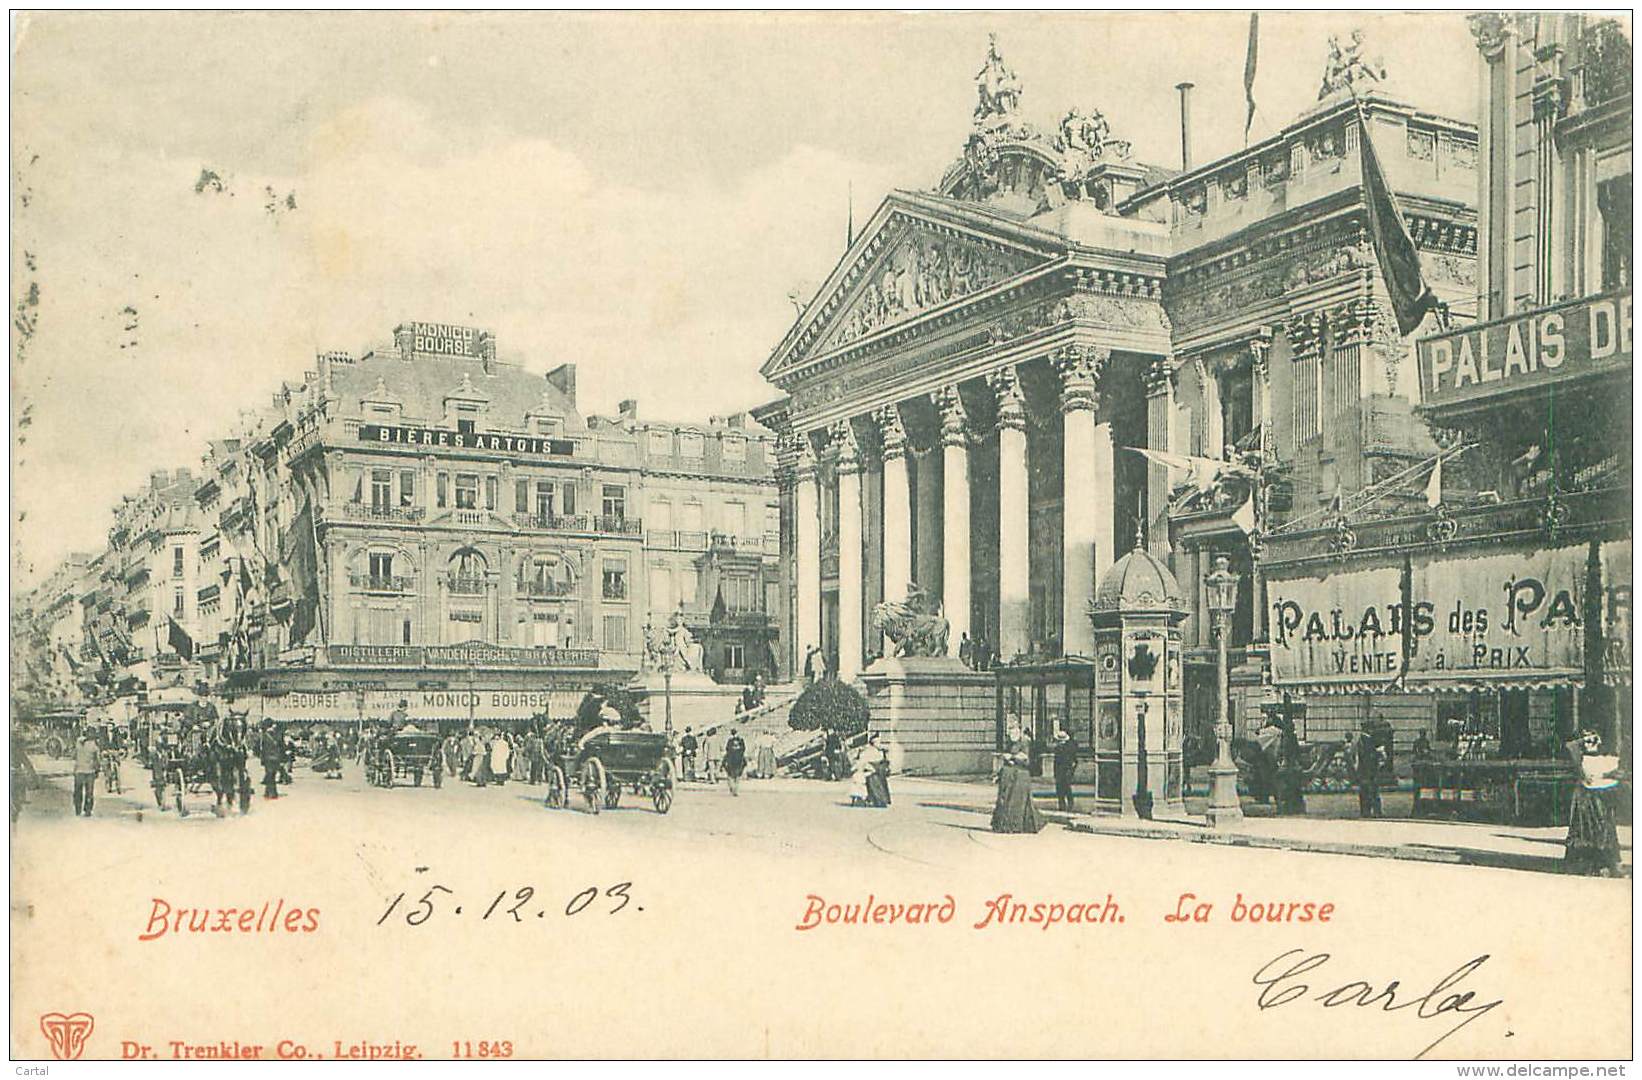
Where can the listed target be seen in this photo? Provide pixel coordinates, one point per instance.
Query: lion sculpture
(915, 629)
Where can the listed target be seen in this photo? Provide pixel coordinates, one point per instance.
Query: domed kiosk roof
(1138, 582)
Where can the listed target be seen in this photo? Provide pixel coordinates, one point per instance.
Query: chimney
(563, 378)
(629, 409)
(1185, 89)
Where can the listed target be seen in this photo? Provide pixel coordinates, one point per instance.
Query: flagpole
(321, 577)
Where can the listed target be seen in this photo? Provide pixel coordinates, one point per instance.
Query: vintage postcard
(816, 535)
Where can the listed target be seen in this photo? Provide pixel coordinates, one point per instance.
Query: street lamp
(1225, 811)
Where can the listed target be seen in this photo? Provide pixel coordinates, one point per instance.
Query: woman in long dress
(1014, 811)
(1593, 839)
(765, 758)
(869, 780)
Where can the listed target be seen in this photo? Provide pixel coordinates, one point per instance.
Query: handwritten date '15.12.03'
(520, 905)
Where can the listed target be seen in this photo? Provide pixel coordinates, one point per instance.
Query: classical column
(1105, 496)
(1214, 419)
(1014, 574)
(926, 560)
(955, 516)
(807, 527)
(1159, 432)
(1085, 500)
(1260, 361)
(897, 504)
(850, 580)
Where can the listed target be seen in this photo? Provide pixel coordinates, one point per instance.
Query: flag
(301, 559)
(1203, 473)
(1433, 487)
(1248, 72)
(178, 639)
(1244, 518)
(1399, 262)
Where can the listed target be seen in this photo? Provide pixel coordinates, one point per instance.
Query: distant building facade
(428, 522)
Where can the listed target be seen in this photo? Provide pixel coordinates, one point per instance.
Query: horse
(226, 755)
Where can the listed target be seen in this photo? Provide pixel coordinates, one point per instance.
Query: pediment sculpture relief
(922, 272)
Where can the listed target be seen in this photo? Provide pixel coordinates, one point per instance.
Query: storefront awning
(1514, 620)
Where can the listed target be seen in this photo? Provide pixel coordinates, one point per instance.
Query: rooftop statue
(1347, 67)
(997, 86)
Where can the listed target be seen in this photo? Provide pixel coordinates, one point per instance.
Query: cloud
(668, 291)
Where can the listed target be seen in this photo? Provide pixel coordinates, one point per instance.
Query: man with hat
(271, 752)
(86, 766)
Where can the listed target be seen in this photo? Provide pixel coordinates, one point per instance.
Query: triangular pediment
(909, 261)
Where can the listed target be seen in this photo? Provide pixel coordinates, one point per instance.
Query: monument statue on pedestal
(915, 625)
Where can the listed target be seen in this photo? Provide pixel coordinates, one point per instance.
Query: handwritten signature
(1278, 980)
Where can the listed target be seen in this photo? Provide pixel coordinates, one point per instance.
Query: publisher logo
(67, 1034)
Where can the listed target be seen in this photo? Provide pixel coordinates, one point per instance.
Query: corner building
(481, 546)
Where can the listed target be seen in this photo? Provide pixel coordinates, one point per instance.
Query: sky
(637, 194)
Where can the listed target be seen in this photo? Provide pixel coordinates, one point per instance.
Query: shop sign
(1580, 337)
(444, 339)
(1618, 635)
(440, 439)
(471, 654)
(1340, 629)
(307, 706)
(1514, 617)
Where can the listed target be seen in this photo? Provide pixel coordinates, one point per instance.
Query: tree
(830, 705)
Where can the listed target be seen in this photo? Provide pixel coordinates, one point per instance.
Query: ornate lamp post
(1225, 811)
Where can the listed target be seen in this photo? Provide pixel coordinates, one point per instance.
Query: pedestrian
(712, 751)
(1014, 811)
(873, 767)
(470, 751)
(501, 757)
(749, 699)
(966, 650)
(1593, 839)
(86, 767)
(1365, 770)
(812, 663)
(531, 750)
(1065, 749)
(764, 756)
(735, 760)
(287, 757)
(452, 749)
(758, 689)
(483, 752)
(687, 752)
(832, 749)
(271, 752)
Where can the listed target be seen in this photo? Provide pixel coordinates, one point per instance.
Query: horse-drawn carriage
(604, 762)
(404, 754)
(193, 753)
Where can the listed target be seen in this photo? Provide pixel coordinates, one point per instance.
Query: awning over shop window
(1498, 622)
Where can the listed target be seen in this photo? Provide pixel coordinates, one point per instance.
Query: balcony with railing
(460, 585)
(553, 522)
(538, 589)
(406, 515)
(608, 524)
(1606, 70)
(383, 583)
